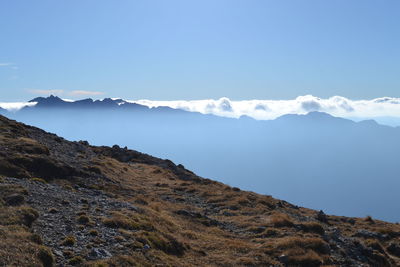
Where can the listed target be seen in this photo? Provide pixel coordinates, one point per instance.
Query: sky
(188, 50)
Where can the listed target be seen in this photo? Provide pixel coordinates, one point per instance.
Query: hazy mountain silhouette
(315, 160)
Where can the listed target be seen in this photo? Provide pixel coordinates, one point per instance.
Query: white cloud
(271, 109)
(6, 64)
(15, 106)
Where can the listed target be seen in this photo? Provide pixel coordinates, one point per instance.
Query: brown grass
(313, 243)
(281, 220)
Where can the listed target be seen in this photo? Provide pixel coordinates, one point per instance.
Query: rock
(99, 253)
(58, 253)
(14, 200)
(368, 234)
(321, 216)
(394, 249)
(283, 258)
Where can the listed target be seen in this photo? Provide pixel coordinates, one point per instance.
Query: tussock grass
(281, 220)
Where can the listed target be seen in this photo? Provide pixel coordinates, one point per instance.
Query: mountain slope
(72, 203)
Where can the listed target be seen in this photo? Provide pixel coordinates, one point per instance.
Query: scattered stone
(99, 253)
(368, 234)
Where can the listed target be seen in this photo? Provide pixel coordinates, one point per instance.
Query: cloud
(9, 65)
(83, 93)
(271, 109)
(309, 103)
(3, 64)
(15, 106)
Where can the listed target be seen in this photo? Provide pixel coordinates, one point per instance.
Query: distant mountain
(308, 159)
(56, 102)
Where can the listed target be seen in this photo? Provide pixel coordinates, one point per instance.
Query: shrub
(93, 232)
(45, 256)
(69, 241)
(36, 239)
(83, 219)
(313, 227)
(369, 219)
(28, 215)
(76, 260)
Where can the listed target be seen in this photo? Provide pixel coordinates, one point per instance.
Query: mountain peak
(47, 100)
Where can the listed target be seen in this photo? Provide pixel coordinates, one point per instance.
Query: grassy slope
(180, 220)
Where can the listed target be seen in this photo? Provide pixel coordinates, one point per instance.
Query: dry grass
(281, 220)
(303, 258)
(309, 243)
(129, 221)
(16, 248)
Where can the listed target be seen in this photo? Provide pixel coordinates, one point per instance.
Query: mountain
(54, 102)
(107, 103)
(72, 203)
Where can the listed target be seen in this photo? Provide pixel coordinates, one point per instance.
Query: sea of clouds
(385, 109)
(270, 109)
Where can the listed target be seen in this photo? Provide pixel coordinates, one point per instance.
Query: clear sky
(165, 50)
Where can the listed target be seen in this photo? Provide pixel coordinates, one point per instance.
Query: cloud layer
(271, 109)
(384, 107)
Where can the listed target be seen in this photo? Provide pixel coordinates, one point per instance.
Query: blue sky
(166, 50)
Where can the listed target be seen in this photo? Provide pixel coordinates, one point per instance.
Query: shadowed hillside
(70, 203)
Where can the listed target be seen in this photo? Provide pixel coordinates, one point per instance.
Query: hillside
(70, 203)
